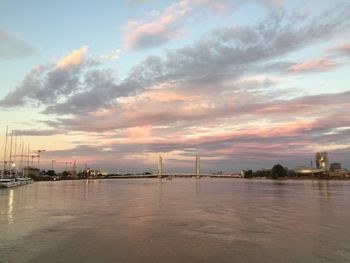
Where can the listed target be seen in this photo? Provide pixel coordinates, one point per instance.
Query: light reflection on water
(179, 220)
(10, 207)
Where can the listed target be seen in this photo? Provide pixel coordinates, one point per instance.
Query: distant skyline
(111, 84)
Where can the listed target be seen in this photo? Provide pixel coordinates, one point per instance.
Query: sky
(113, 84)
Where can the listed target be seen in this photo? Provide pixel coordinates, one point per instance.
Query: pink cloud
(164, 26)
(139, 133)
(322, 64)
(165, 96)
(342, 48)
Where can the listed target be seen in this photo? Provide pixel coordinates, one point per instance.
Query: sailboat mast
(28, 153)
(10, 161)
(5, 150)
(15, 157)
(22, 153)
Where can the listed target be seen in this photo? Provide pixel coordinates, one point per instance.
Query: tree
(248, 174)
(278, 171)
(262, 173)
(291, 173)
(50, 173)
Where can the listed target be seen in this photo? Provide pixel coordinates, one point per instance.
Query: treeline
(277, 171)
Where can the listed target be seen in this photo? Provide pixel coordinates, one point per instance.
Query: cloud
(139, 2)
(111, 56)
(218, 59)
(343, 49)
(13, 46)
(139, 35)
(316, 65)
(164, 27)
(74, 59)
(289, 141)
(37, 132)
(240, 107)
(47, 84)
(99, 85)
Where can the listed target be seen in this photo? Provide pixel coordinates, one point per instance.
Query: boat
(8, 182)
(25, 180)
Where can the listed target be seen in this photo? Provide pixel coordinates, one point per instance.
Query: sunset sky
(111, 84)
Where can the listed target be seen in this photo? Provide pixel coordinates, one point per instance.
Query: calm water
(182, 220)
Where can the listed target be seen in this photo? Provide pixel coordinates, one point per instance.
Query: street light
(39, 151)
(67, 165)
(33, 156)
(52, 162)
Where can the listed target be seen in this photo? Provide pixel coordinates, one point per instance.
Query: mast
(22, 155)
(10, 161)
(4, 164)
(28, 153)
(15, 157)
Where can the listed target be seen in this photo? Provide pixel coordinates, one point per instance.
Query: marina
(15, 165)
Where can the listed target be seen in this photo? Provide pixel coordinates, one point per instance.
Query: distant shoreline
(191, 176)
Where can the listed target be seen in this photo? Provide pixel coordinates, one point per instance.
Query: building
(335, 167)
(322, 161)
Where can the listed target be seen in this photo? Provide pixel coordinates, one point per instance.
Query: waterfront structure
(198, 167)
(335, 167)
(306, 170)
(160, 166)
(322, 161)
(303, 170)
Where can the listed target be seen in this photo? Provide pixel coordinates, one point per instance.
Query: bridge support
(160, 167)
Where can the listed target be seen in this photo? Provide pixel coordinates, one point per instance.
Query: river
(179, 220)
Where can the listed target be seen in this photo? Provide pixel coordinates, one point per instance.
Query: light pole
(39, 151)
(67, 165)
(33, 156)
(52, 162)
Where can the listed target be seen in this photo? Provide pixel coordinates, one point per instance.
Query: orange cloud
(136, 133)
(166, 96)
(75, 58)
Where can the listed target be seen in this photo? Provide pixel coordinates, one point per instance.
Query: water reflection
(198, 185)
(86, 189)
(179, 220)
(324, 188)
(10, 207)
(160, 191)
